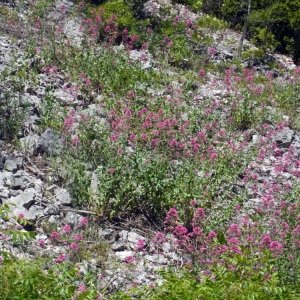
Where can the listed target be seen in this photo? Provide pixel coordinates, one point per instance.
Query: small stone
(63, 197)
(123, 254)
(118, 246)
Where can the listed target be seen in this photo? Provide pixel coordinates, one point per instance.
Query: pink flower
(74, 247)
(171, 215)
(193, 203)
(75, 141)
(200, 212)
(111, 170)
(234, 241)
(180, 230)
(159, 238)
(78, 237)
(84, 222)
(82, 288)
(201, 73)
(140, 245)
(21, 216)
(66, 229)
(129, 259)
(41, 243)
(197, 230)
(275, 246)
(55, 236)
(266, 240)
(234, 230)
(212, 235)
(61, 258)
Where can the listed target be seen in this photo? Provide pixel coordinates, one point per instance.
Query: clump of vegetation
(141, 137)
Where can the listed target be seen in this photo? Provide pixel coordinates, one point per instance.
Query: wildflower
(201, 73)
(180, 230)
(200, 212)
(41, 243)
(193, 202)
(212, 235)
(55, 236)
(234, 230)
(171, 215)
(234, 241)
(159, 238)
(74, 247)
(75, 141)
(84, 222)
(275, 246)
(82, 288)
(129, 259)
(61, 258)
(266, 240)
(140, 245)
(21, 216)
(78, 237)
(66, 229)
(197, 230)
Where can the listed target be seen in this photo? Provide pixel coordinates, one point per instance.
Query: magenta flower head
(74, 247)
(140, 245)
(21, 216)
(172, 215)
(82, 288)
(55, 236)
(41, 243)
(275, 246)
(83, 223)
(193, 203)
(60, 258)
(66, 229)
(129, 259)
(159, 238)
(78, 237)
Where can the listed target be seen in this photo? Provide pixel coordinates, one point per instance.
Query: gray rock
(22, 180)
(284, 138)
(30, 143)
(4, 192)
(106, 233)
(118, 245)
(123, 254)
(49, 141)
(13, 164)
(143, 56)
(24, 199)
(156, 258)
(36, 211)
(63, 197)
(52, 210)
(72, 218)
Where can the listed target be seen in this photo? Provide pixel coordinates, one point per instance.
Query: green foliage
(273, 25)
(195, 5)
(12, 113)
(212, 23)
(28, 280)
(224, 284)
